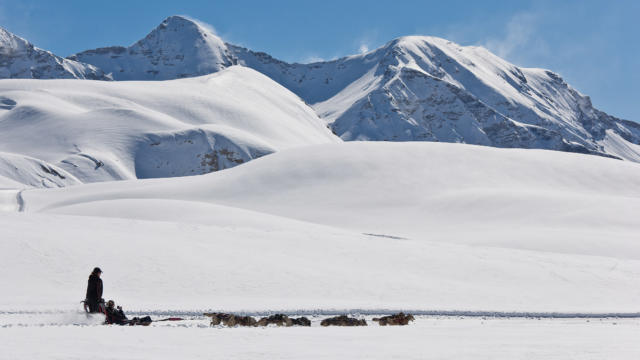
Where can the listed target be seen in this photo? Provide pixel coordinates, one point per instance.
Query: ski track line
(367, 312)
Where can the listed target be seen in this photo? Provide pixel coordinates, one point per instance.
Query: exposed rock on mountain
(19, 59)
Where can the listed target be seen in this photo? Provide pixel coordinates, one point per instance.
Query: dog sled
(116, 316)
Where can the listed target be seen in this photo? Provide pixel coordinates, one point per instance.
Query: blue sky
(593, 44)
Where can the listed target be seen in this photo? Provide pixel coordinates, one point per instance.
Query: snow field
(519, 231)
(453, 193)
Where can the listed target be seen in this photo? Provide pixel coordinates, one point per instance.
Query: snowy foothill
(65, 132)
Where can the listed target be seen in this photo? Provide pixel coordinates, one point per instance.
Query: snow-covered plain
(428, 338)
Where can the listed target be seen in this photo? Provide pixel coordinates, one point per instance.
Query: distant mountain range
(411, 89)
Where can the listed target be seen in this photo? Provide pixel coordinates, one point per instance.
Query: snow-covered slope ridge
(90, 131)
(504, 197)
(19, 59)
(413, 88)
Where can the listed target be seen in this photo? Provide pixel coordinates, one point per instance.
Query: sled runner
(87, 307)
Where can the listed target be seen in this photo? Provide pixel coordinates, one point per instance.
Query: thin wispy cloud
(521, 42)
(367, 41)
(312, 59)
(205, 25)
(519, 33)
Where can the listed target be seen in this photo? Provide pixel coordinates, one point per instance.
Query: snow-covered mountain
(430, 89)
(19, 59)
(179, 47)
(413, 88)
(63, 132)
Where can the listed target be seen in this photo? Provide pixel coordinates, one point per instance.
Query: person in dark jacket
(94, 291)
(115, 315)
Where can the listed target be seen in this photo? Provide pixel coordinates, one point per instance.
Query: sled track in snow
(369, 312)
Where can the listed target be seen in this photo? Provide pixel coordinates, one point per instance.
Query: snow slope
(412, 190)
(342, 226)
(61, 132)
(19, 59)
(414, 88)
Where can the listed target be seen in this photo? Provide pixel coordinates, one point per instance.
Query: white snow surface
(91, 131)
(427, 338)
(423, 226)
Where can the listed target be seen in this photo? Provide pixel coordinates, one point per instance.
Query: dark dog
(216, 318)
(343, 320)
(301, 321)
(277, 319)
(231, 320)
(396, 319)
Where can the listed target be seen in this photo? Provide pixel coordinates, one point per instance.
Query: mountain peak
(414, 41)
(176, 21)
(184, 24)
(179, 47)
(183, 30)
(179, 19)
